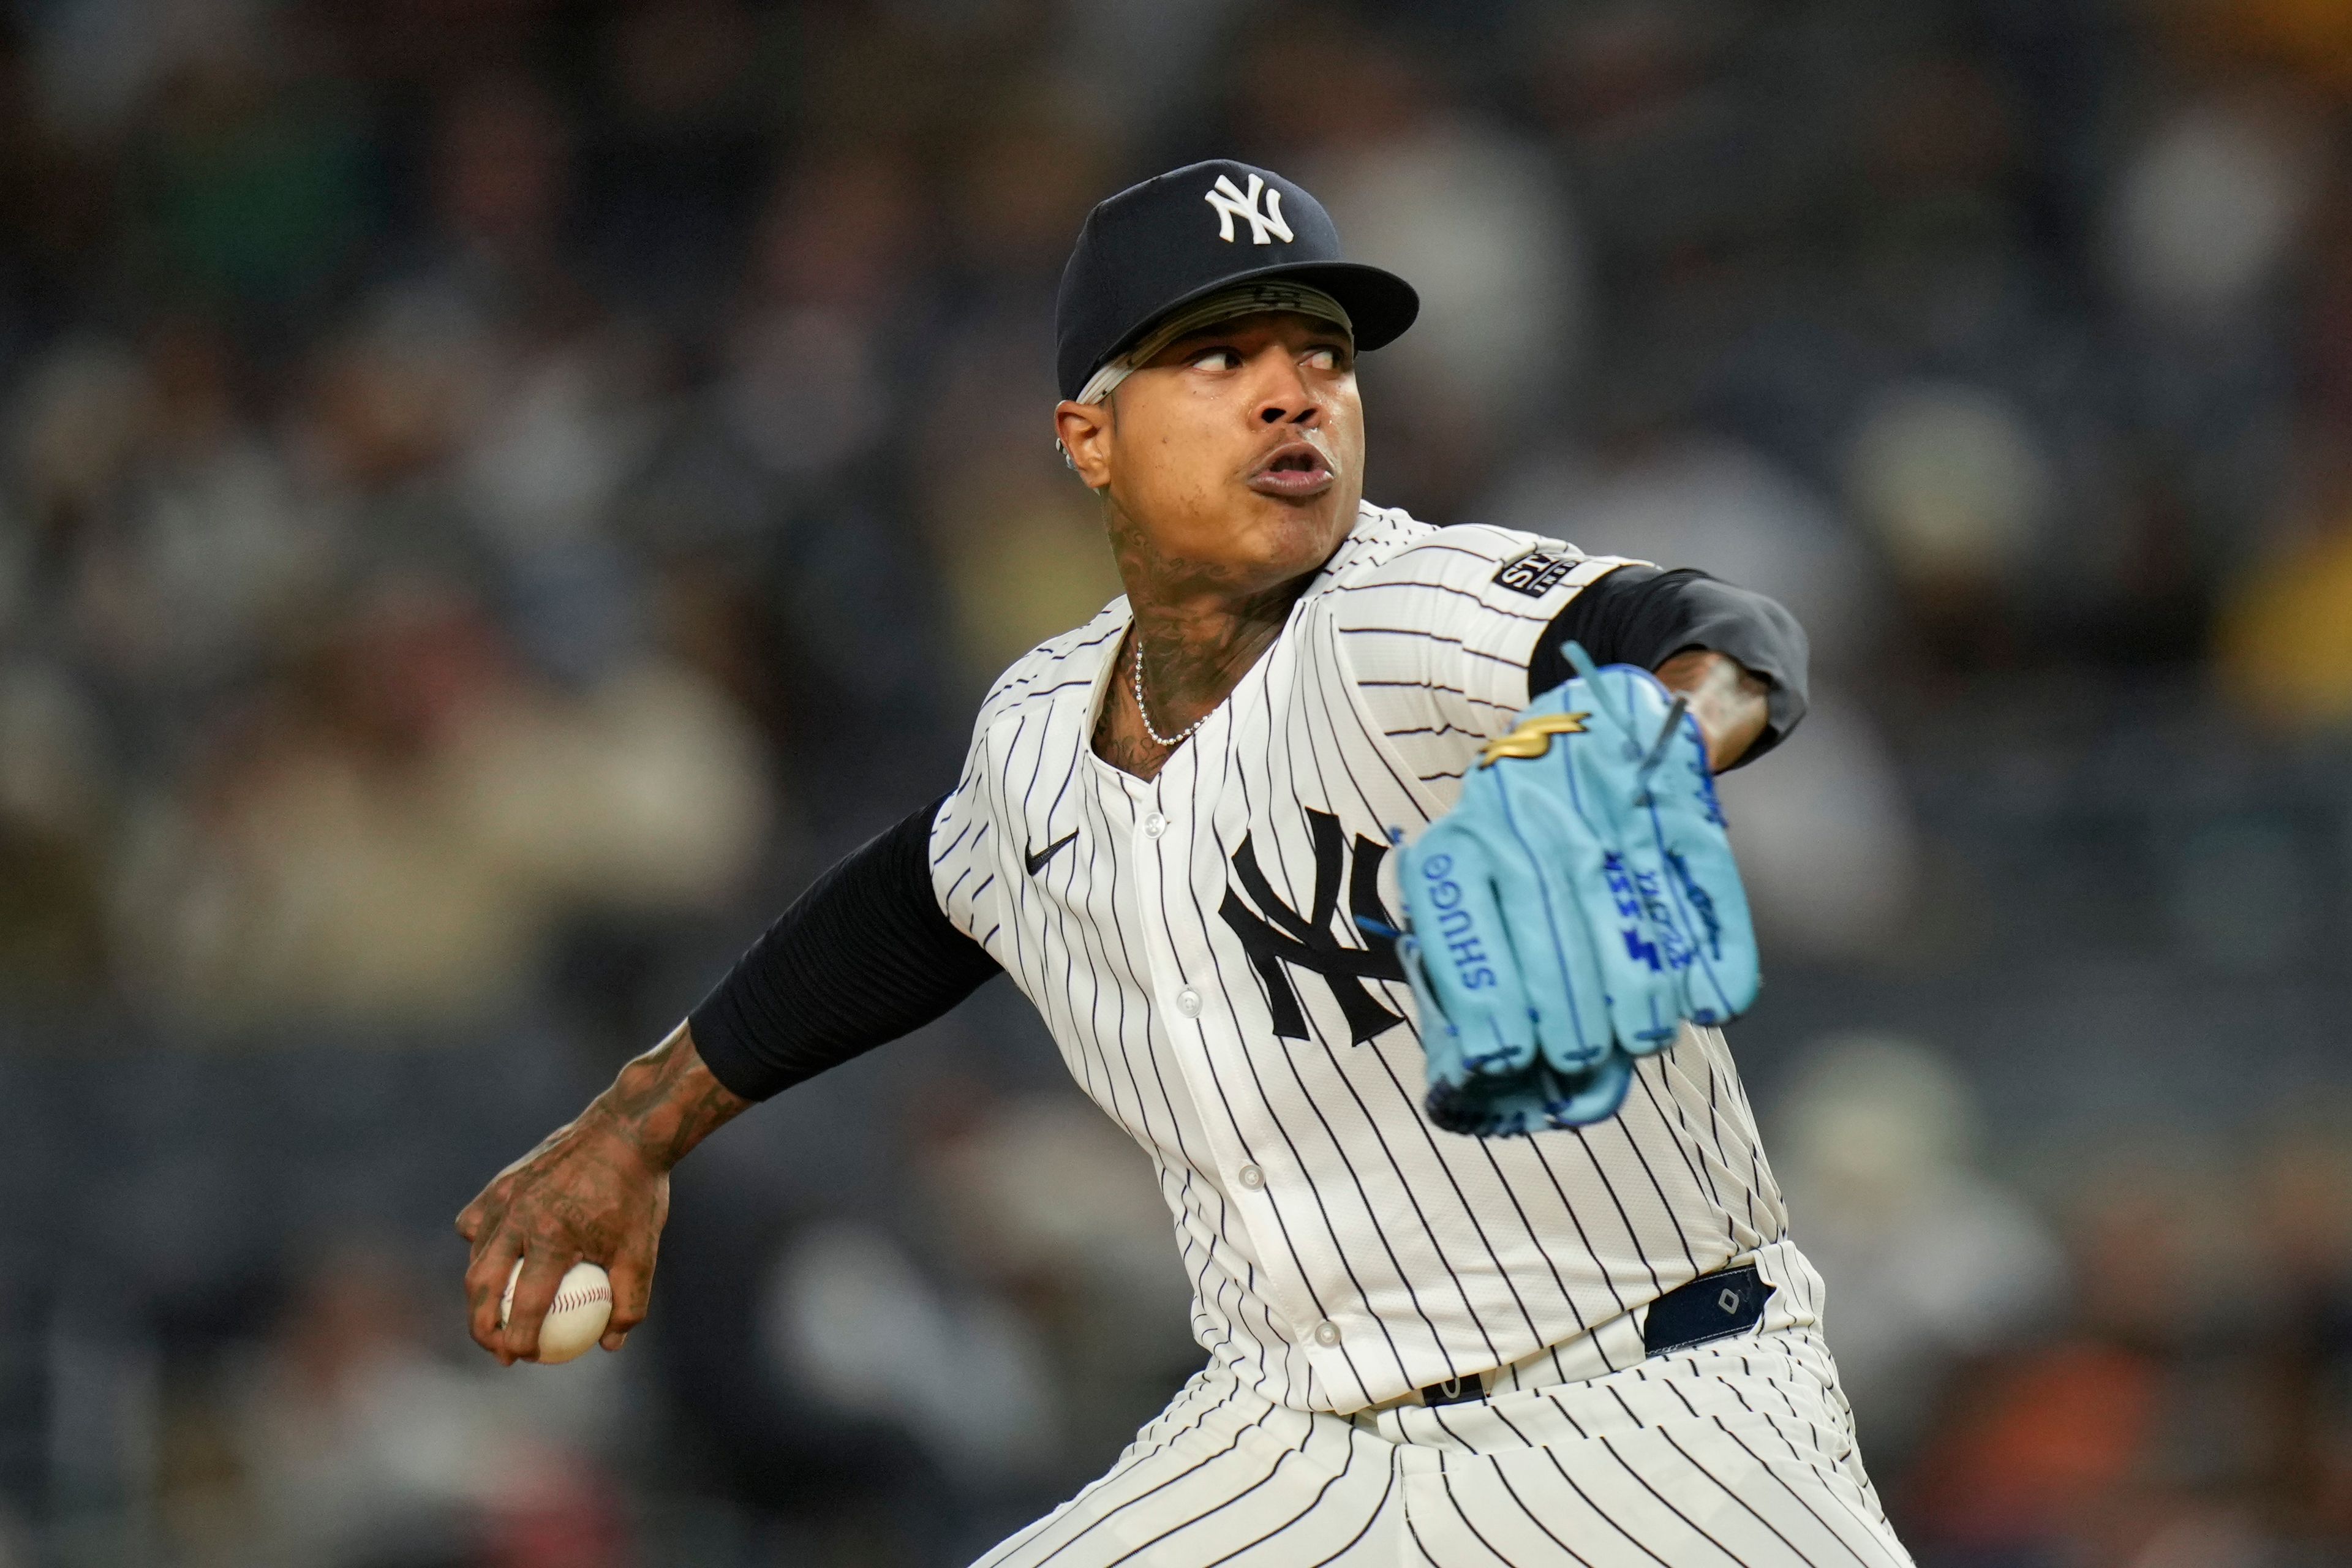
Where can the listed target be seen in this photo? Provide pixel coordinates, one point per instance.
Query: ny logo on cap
(1228, 198)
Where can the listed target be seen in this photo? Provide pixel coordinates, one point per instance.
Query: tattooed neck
(1198, 628)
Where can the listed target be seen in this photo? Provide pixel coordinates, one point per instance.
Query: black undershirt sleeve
(1641, 616)
(864, 956)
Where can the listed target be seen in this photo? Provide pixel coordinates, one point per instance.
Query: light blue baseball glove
(1577, 904)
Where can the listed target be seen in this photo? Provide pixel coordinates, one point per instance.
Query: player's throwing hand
(1573, 908)
(596, 1189)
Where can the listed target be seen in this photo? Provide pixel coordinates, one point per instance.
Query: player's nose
(1284, 395)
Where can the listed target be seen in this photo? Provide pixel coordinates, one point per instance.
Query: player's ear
(1084, 431)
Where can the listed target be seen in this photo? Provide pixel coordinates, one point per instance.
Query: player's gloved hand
(1578, 903)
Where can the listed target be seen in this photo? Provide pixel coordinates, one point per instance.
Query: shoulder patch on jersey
(1535, 573)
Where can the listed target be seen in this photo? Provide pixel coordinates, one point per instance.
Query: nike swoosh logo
(1037, 858)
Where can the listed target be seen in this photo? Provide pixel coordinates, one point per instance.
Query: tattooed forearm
(665, 1102)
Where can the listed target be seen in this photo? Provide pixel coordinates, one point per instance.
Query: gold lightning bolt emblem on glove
(1533, 737)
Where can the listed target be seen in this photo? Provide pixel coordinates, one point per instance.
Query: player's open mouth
(1293, 472)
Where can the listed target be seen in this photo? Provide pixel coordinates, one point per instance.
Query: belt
(1712, 1307)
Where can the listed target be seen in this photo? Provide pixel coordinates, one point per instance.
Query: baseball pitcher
(1370, 874)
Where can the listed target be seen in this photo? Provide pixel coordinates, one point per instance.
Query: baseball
(576, 1318)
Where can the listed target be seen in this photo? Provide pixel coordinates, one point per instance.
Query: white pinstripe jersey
(1190, 943)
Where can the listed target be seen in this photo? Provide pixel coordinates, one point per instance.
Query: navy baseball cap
(1182, 236)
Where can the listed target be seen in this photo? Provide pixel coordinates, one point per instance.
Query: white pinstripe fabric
(1737, 1453)
(1342, 1251)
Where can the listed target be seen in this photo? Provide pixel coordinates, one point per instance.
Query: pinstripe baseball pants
(1740, 1452)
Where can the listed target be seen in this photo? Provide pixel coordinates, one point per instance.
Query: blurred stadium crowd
(493, 493)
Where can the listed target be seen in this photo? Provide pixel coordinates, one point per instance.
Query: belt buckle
(1712, 1307)
(1456, 1390)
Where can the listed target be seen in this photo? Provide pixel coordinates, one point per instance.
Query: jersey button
(1188, 1002)
(1326, 1334)
(1252, 1177)
(1154, 825)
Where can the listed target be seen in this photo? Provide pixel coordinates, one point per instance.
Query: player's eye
(1327, 358)
(1216, 359)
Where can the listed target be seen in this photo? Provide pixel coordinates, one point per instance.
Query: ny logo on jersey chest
(1279, 939)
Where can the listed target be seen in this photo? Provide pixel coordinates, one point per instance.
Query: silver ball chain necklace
(1144, 712)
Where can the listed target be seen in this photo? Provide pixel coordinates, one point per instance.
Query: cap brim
(1380, 304)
